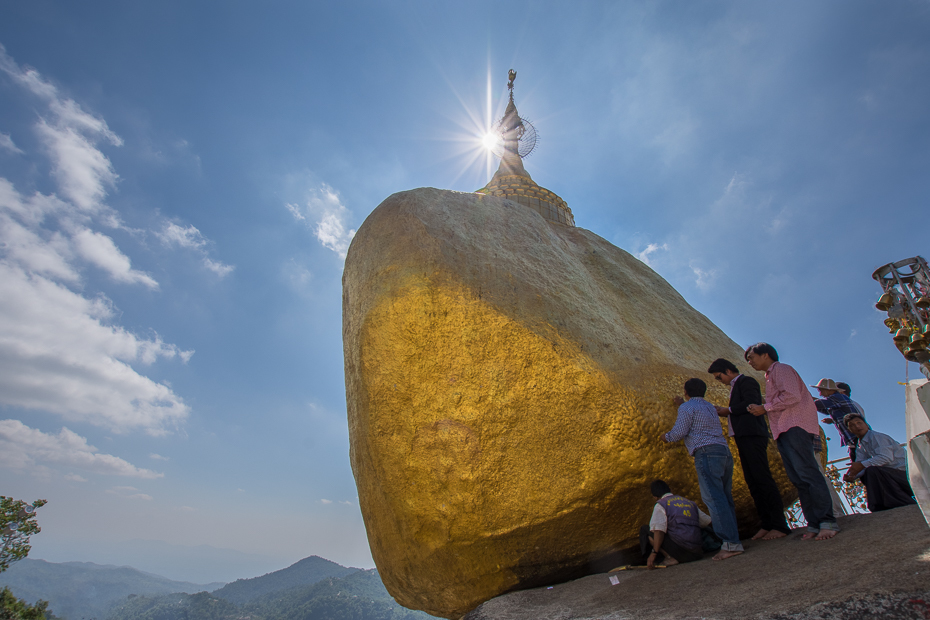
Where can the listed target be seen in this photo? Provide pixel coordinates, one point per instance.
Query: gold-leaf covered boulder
(508, 380)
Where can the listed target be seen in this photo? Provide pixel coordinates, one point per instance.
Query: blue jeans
(714, 465)
(797, 453)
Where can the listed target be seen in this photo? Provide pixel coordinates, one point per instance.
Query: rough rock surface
(507, 382)
(877, 567)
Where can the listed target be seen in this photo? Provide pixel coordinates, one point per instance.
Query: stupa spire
(511, 180)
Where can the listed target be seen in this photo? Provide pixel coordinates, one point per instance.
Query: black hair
(722, 366)
(695, 387)
(761, 348)
(658, 488)
(844, 388)
(849, 417)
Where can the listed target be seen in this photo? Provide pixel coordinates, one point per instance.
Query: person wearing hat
(881, 465)
(837, 406)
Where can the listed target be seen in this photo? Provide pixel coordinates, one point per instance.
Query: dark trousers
(754, 458)
(796, 447)
(886, 488)
(669, 546)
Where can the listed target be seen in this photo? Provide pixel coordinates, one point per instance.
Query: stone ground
(877, 567)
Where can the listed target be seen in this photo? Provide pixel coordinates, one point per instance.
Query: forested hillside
(357, 596)
(78, 590)
(305, 572)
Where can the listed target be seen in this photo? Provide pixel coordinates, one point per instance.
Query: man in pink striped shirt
(793, 418)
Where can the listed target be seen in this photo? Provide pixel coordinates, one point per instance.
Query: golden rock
(508, 381)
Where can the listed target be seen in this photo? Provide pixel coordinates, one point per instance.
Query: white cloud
(174, 235)
(326, 501)
(6, 143)
(705, 279)
(158, 457)
(129, 493)
(70, 136)
(59, 350)
(295, 211)
(220, 269)
(324, 207)
(22, 447)
(58, 354)
(650, 249)
(75, 478)
(83, 172)
(100, 250)
(184, 237)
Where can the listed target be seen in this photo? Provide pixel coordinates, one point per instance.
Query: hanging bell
(892, 324)
(902, 335)
(884, 302)
(918, 341)
(922, 302)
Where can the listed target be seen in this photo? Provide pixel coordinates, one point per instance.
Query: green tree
(17, 524)
(12, 608)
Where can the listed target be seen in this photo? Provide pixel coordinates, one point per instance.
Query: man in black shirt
(751, 434)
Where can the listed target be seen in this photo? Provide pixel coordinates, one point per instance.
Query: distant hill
(78, 590)
(360, 595)
(303, 573)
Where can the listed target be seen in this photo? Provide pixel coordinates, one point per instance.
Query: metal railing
(852, 494)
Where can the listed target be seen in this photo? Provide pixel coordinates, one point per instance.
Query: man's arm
(682, 424)
(880, 450)
(657, 537)
(703, 519)
(785, 392)
(747, 392)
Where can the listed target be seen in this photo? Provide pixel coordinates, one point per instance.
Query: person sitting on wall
(881, 465)
(673, 535)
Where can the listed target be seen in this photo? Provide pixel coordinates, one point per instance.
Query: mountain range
(312, 589)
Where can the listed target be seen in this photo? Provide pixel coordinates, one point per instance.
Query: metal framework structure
(906, 298)
(852, 493)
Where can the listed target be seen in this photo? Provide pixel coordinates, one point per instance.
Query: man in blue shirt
(837, 406)
(699, 425)
(881, 465)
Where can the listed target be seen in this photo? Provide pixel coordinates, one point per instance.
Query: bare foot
(773, 535)
(825, 534)
(809, 535)
(669, 561)
(723, 555)
(760, 534)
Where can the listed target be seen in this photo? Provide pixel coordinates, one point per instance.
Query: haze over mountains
(312, 589)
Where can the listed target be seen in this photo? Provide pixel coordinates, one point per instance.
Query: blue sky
(179, 182)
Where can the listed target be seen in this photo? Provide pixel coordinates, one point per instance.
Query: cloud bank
(22, 447)
(61, 351)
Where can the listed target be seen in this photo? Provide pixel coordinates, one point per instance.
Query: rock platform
(877, 567)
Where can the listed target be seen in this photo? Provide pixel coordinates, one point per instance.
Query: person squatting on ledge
(674, 532)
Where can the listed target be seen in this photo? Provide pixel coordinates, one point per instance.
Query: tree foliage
(12, 608)
(17, 524)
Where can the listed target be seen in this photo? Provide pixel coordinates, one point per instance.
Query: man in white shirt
(674, 531)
